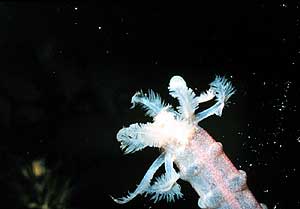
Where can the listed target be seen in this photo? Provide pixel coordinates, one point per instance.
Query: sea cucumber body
(206, 167)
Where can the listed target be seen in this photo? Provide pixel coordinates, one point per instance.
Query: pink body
(219, 184)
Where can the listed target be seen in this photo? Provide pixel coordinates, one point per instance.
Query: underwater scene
(149, 105)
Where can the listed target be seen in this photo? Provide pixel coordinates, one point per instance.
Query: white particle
(107, 51)
(280, 145)
(298, 139)
(284, 5)
(264, 83)
(75, 23)
(99, 27)
(76, 8)
(250, 164)
(126, 33)
(274, 142)
(266, 190)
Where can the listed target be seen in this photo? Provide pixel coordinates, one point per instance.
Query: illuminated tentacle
(136, 137)
(145, 183)
(165, 186)
(200, 160)
(216, 109)
(152, 102)
(222, 89)
(187, 99)
(206, 96)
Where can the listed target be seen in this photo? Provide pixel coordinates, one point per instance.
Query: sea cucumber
(200, 160)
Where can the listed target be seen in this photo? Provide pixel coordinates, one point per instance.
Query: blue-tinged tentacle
(145, 183)
(165, 186)
(216, 109)
(206, 96)
(169, 195)
(136, 137)
(152, 102)
(223, 90)
(187, 99)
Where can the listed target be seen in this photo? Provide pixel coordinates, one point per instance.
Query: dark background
(68, 72)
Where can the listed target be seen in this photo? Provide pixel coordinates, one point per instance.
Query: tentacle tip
(177, 81)
(114, 199)
(118, 200)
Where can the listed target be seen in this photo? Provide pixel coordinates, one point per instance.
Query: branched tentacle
(188, 101)
(136, 137)
(165, 186)
(170, 195)
(152, 102)
(170, 129)
(222, 89)
(206, 96)
(145, 183)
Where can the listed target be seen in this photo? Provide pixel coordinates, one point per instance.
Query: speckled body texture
(199, 158)
(218, 183)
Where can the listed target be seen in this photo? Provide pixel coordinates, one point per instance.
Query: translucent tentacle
(216, 109)
(188, 101)
(169, 195)
(152, 102)
(169, 165)
(222, 89)
(145, 183)
(165, 186)
(206, 96)
(136, 137)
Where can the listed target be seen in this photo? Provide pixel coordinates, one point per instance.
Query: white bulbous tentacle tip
(177, 82)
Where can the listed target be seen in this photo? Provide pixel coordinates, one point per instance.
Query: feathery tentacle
(165, 186)
(145, 183)
(152, 102)
(222, 89)
(188, 101)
